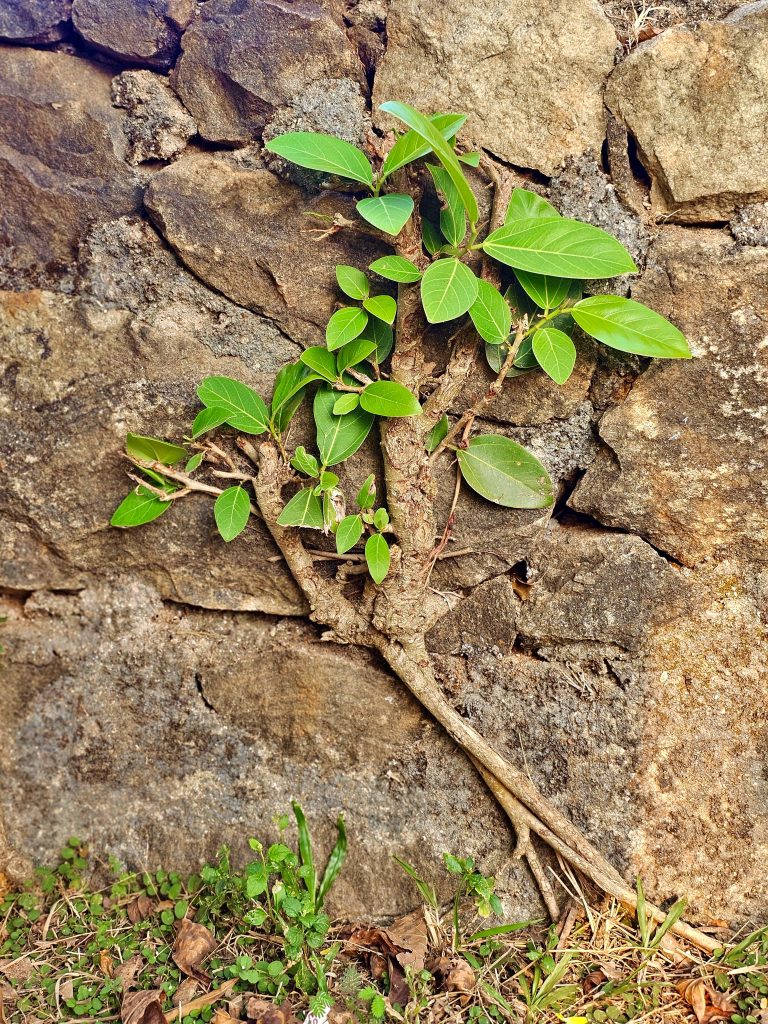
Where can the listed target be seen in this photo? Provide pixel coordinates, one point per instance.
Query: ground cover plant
(511, 285)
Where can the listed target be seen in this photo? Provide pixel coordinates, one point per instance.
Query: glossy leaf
(526, 358)
(320, 152)
(344, 326)
(139, 507)
(470, 159)
(387, 213)
(366, 496)
(231, 511)
(437, 433)
(382, 306)
(490, 314)
(304, 510)
(353, 353)
(453, 219)
(505, 473)
(396, 268)
(411, 146)
(193, 462)
(388, 398)
(305, 462)
(448, 289)
(348, 533)
(208, 419)
(546, 292)
(629, 326)
(555, 353)
(559, 247)
(377, 557)
(430, 236)
(441, 149)
(247, 411)
(152, 449)
(319, 359)
(380, 519)
(289, 392)
(353, 282)
(338, 437)
(346, 403)
(524, 204)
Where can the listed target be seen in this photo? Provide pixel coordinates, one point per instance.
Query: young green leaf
(352, 281)
(193, 462)
(328, 481)
(381, 519)
(559, 247)
(490, 314)
(555, 353)
(388, 398)
(382, 334)
(344, 326)
(349, 532)
(441, 149)
(305, 462)
(139, 507)
(387, 213)
(377, 557)
(247, 411)
(504, 472)
(209, 418)
(353, 353)
(304, 509)
(411, 146)
(546, 292)
(524, 204)
(453, 219)
(438, 432)
(382, 306)
(345, 403)
(319, 359)
(338, 437)
(289, 392)
(630, 326)
(366, 496)
(396, 268)
(448, 289)
(335, 862)
(231, 510)
(430, 236)
(320, 152)
(470, 159)
(151, 449)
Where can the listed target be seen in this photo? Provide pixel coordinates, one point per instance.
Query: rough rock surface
(34, 21)
(243, 59)
(135, 31)
(548, 63)
(157, 127)
(62, 164)
(686, 96)
(750, 224)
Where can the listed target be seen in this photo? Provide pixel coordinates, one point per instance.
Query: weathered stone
(247, 234)
(484, 621)
(160, 732)
(749, 224)
(34, 21)
(685, 462)
(243, 59)
(157, 127)
(530, 76)
(686, 96)
(62, 165)
(136, 31)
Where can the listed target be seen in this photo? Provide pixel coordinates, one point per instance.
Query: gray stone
(157, 127)
(530, 76)
(34, 21)
(144, 32)
(749, 225)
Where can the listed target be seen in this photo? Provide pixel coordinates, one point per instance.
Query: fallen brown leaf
(107, 964)
(399, 993)
(461, 978)
(66, 990)
(222, 1017)
(706, 1003)
(127, 971)
(410, 934)
(593, 980)
(207, 1000)
(186, 992)
(263, 1011)
(138, 909)
(194, 942)
(142, 1007)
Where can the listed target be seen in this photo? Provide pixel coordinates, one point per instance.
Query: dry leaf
(461, 979)
(66, 990)
(138, 909)
(410, 934)
(202, 1001)
(186, 992)
(107, 964)
(222, 1017)
(706, 1003)
(17, 970)
(593, 980)
(262, 1011)
(142, 1008)
(194, 942)
(399, 993)
(127, 971)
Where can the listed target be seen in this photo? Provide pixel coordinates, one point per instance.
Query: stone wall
(163, 692)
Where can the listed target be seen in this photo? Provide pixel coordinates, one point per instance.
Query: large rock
(62, 166)
(696, 101)
(244, 59)
(34, 21)
(685, 457)
(136, 31)
(529, 75)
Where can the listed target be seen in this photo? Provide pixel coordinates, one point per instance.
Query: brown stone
(144, 32)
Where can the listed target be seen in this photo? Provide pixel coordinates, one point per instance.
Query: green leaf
(304, 509)
(288, 393)
(411, 146)
(328, 481)
(344, 326)
(382, 306)
(437, 433)
(453, 219)
(448, 289)
(441, 149)
(559, 247)
(319, 359)
(153, 450)
(322, 152)
(247, 411)
(524, 204)
(352, 281)
(366, 496)
(387, 213)
(630, 326)
(231, 511)
(377, 556)
(526, 359)
(335, 861)
(430, 236)
(305, 462)
(338, 437)
(139, 507)
(349, 533)
(382, 334)
(388, 398)
(345, 403)
(546, 292)
(504, 472)
(353, 353)
(490, 314)
(396, 268)
(555, 353)
(209, 418)
(381, 519)
(470, 159)
(193, 463)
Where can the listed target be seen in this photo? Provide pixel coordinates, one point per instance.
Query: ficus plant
(511, 285)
